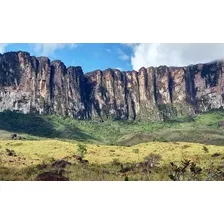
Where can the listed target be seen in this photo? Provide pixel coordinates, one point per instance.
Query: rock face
(36, 85)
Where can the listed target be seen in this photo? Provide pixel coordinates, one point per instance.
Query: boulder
(221, 124)
(51, 176)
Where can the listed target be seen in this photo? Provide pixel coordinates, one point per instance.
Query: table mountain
(31, 84)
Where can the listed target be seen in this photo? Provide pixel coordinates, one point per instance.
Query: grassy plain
(109, 144)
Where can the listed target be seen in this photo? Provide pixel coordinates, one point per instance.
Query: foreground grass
(102, 166)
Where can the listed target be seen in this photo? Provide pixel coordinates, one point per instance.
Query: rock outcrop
(31, 84)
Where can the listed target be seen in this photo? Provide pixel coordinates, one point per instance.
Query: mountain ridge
(32, 84)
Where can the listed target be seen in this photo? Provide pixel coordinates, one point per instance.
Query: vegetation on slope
(202, 128)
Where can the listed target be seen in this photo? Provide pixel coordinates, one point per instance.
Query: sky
(89, 56)
(124, 56)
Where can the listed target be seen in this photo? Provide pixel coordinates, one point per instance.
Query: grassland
(109, 144)
(30, 154)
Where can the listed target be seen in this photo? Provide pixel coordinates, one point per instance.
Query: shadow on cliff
(40, 126)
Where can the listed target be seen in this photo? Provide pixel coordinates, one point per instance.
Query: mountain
(31, 84)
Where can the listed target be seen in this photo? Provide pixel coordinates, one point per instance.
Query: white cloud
(123, 56)
(49, 49)
(2, 48)
(174, 54)
(130, 44)
(72, 45)
(108, 50)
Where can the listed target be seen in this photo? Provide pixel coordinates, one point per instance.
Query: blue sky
(89, 56)
(123, 56)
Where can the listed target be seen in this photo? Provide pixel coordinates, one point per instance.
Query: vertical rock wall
(36, 85)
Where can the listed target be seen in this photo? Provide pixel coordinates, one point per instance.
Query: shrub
(126, 178)
(135, 151)
(186, 171)
(82, 150)
(152, 160)
(215, 173)
(205, 149)
(116, 162)
(216, 154)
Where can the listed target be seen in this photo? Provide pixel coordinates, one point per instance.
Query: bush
(116, 162)
(82, 150)
(152, 160)
(126, 178)
(136, 151)
(187, 171)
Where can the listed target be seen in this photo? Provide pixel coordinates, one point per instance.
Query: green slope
(202, 128)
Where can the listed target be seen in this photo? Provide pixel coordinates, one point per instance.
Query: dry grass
(35, 152)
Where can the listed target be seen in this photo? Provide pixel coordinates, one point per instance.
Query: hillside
(202, 128)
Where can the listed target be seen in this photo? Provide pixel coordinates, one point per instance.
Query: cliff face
(36, 85)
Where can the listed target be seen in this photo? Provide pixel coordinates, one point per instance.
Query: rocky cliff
(36, 85)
